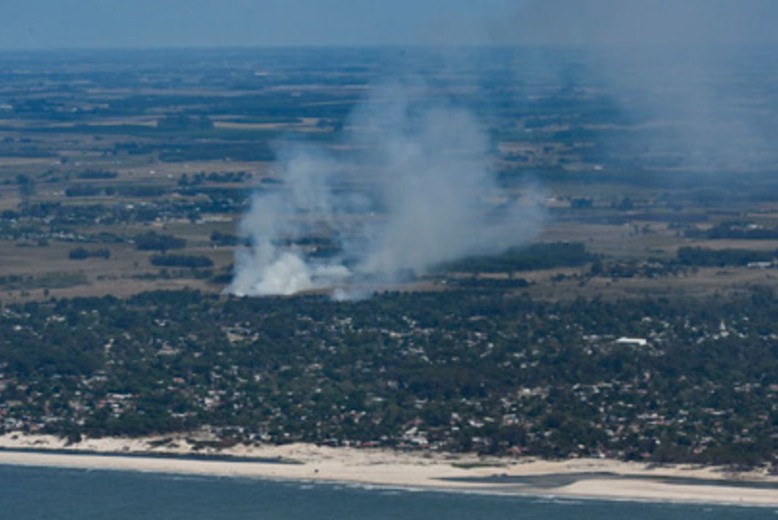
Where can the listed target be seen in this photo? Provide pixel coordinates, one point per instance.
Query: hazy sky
(161, 23)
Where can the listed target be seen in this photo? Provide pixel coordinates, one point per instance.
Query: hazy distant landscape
(533, 250)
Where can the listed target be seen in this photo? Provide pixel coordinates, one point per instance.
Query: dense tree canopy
(464, 370)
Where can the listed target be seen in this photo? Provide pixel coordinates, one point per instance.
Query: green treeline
(89, 190)
(526, 258)
(82, 253)
(153, 241)
(191, 261)
(702, 257)
(736, 230)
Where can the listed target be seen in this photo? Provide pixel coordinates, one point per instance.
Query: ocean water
(49, 493)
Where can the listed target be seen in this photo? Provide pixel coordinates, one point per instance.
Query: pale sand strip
(400, 469)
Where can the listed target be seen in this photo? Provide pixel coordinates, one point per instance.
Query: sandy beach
(581, 478)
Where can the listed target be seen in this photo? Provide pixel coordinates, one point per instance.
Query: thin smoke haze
(417, 191)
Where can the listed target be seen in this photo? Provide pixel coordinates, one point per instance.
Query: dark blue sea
(47, 493)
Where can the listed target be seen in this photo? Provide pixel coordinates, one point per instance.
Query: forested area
(462, 370)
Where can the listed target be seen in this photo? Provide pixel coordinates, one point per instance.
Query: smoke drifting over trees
(417, 191)
(695, 74)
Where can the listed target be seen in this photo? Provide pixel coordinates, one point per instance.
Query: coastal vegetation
(472, 370)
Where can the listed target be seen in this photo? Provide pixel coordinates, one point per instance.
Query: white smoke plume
(416, 190)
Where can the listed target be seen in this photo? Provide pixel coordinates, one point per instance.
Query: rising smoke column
(281, 217)
(428, 197)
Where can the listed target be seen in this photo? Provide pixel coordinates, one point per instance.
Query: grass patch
(56, 280)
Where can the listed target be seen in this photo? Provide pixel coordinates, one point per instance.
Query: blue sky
(184, 23)
(152, 23)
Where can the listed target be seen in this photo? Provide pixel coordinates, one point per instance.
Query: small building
(632, 342)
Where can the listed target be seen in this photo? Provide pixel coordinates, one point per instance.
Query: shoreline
(596, 479)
